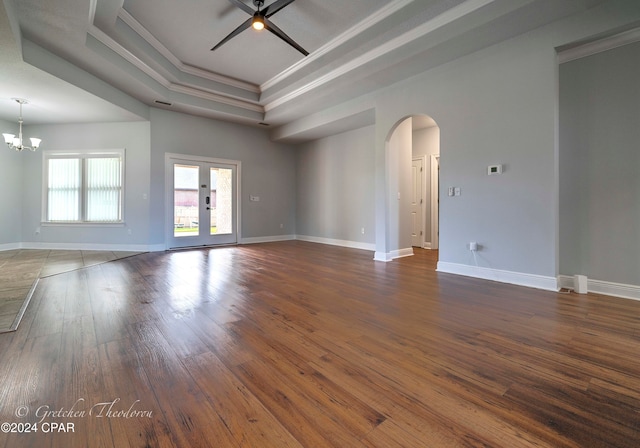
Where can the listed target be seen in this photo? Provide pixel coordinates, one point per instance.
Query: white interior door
(416, 203)
(202, 202)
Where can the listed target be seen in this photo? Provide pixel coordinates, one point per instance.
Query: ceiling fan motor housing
(261, 20)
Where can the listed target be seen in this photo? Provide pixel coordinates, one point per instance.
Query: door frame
(435, 201)
(169, 159)
(423, 194)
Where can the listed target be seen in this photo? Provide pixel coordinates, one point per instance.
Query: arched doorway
(412, 173)
(426, 148)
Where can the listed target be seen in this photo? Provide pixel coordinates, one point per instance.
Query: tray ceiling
(158, 51)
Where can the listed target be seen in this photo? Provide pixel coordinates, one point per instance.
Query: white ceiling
(253, 56)
(108, 60)
(51, 100)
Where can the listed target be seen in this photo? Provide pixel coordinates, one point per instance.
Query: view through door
(203, 203)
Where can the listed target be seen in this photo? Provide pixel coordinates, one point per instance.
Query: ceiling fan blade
(242, 6)
(228, 9)
(282, 35)
(275, 7)
(246, 25)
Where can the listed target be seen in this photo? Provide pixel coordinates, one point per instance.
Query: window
(83, 187)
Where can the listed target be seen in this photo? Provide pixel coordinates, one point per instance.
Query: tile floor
(20, 268)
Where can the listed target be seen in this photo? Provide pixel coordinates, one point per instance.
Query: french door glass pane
(221, 181)
(186, 201)
(104, 189)
(63, 190)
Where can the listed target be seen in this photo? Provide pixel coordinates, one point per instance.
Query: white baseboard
(266, 239)
(382, 256)
(406, 252)
(515, 278)
(10, 246)
(392, 255)
(601, 287)
(565, 282)
(334, 242)
(94, 246)
(426, 245)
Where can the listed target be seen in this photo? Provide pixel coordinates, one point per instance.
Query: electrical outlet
(362, 230)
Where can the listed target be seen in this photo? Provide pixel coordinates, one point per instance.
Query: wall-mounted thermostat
(494, 169)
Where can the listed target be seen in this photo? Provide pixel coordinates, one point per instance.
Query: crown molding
(437, 22)
(360, 27)
(198, 93)
(106, 40)
(174, 87)
(177, 63)
(93, 4)
(598, 46)
(148, 37)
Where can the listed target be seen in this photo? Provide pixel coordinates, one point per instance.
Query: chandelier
(14, 142)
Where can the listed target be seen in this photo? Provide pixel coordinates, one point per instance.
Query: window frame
(83, 155)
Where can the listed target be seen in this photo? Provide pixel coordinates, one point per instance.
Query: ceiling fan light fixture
(258, 22)
(261, 20)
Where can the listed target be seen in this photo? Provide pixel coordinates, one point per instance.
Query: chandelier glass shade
(16, 143)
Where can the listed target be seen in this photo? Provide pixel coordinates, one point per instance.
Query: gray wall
(600, 166)
(498, 105)
(11, 191)
(268, 169)
(134, 137)
(335, 180)
(425, 143)
(398, 155)
(495, 106)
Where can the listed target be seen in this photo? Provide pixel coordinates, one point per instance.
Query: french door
(203, 203)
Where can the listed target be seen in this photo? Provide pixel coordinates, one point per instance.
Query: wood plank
(127, 382)
(29, 386)
(251, 424)
(184, 406)
(298, 344)
(297, 411)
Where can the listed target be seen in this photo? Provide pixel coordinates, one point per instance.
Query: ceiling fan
(260, 20)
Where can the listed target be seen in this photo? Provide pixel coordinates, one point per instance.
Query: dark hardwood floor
(297, 344)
